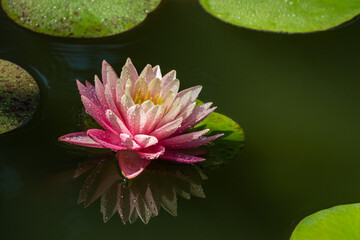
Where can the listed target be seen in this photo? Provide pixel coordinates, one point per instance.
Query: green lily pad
(19, 96)
(225, 148)
(340, 222)
(79, 18)
(291, 16)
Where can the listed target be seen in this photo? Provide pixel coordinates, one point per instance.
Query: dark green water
(296, 96)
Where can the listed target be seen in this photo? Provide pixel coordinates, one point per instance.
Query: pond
(295, 95)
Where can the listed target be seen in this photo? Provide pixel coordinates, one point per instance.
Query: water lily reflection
(141, 197)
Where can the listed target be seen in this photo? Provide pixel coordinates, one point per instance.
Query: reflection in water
(143, 196)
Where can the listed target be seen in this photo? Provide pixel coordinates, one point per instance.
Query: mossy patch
(19, 96)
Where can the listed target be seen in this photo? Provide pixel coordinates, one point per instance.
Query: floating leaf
(291, 16)
(227, 147)
(19, 96)
(340, 222)
(79, 18)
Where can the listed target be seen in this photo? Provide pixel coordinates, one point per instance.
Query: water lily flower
(144, 117)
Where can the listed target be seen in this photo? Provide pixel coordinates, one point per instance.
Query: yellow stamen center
(140, 97)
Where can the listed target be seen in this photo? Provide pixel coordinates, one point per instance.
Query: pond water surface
(296, 96)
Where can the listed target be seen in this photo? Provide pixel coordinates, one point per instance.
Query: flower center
(141, 97)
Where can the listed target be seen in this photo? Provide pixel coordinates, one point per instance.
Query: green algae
(19, 96)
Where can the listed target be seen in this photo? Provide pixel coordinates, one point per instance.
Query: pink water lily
(144, 117)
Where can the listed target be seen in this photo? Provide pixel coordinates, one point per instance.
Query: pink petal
(157, 71)
(145, 140)
(197, 115)
(201, 117)
(80, 138)
(100, 92)
(125, 104)
(147, 73)
(173, 86)
(88, 92)
(168, 99)
(147, 105)
(88, 85)
(194, 143)
(136, 119)
(186, 112)
(195, 91)
(131, 164)
(180, 157)
(152, 117)
(185, 100)
(128, 142)
(111, 101)
(170, 76)
(154, 87)
(106, 139)
(111, 77)
(179, 139)
(116, 122)
(129, 72)
(166, 130)
(97, 114)
(152, 152)
(120, 90)
(108, 74)
(171, 114)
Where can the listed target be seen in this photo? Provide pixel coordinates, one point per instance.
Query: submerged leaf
(19, 96)
(79, 18)
(291, 16)
(340, 222)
